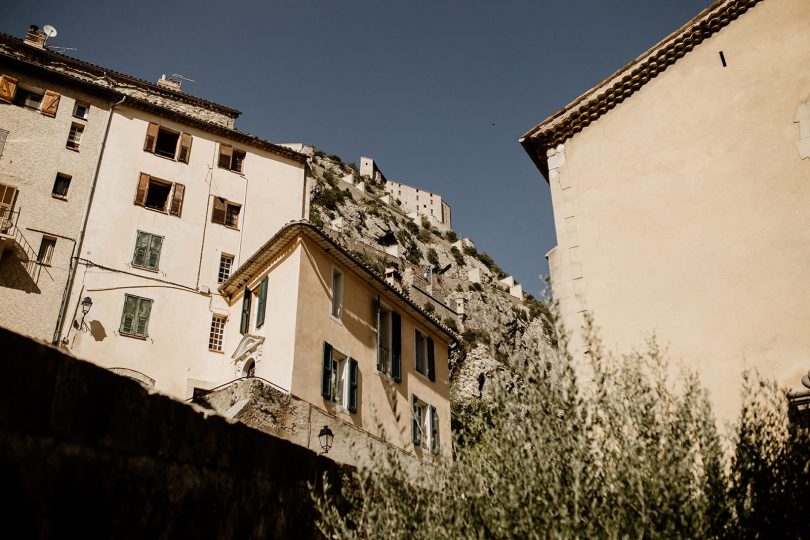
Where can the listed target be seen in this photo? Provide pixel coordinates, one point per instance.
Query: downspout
(74, 264)
(304, 194)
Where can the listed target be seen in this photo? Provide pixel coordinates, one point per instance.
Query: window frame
(68, 179)
(76, 106)
(224, 211)
(425, 432)
(340, 379)
(428, 354)
(48, 244)
(75, 144)
(216, 333)
(222, 258)
(336, 300)
(139, 300)
(148, 251)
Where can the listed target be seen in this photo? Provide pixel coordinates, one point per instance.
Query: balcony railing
(14, 242)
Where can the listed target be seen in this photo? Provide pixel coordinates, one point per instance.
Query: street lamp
(86, 304)
(325, 437)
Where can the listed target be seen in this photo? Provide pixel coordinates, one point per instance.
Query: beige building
(681, 189)
(417, 203)
(315, 322)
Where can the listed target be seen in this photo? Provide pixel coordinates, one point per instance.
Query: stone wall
(86, 453)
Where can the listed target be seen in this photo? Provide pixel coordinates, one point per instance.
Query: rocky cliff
(498, 324)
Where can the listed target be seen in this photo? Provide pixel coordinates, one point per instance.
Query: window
(425, 425)
(80, 110)
(389, 342)
(75, 136)
(28, 98)
(225, 265)
(45, 101)
(135, 316)
(147, 250)
(217, 332)
(425, 356)
(244, 324)
(61, 186)
(262, 305)
(167, 143)
(340, 378)
(231, 158)
(225, 213)
(160, 195)
(337, 294)
(3, 137)
(8, 195)
(46, 248)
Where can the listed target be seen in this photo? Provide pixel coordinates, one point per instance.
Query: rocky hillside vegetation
(440, 271)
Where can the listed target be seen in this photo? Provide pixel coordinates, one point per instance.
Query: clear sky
(437, 92)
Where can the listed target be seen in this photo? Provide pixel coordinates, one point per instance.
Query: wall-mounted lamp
(86, 304)
(325, 437)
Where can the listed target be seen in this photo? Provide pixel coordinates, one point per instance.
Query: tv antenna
(178, 76)
(49, 32)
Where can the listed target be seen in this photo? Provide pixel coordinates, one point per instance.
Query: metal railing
(8, 227)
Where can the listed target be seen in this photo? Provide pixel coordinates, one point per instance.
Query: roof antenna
(178, 76)
(49, 31)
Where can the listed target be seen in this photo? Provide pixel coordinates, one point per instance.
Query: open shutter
(416, 430)
(396, 346)
(380, 364)
(352, 385)
(431, 360)
(434, 430)
(225, 154)
(50, 103)
(218, 213)
(143, 186)
(151, 137)
(244, 324)
(142, 322)
(141, 249)
(262, 303)
(128, 315)
(185, 147)
(176, 208)
(8, 87)
(154, 252)
(326, 379)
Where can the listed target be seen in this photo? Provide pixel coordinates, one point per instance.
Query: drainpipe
(74, 264)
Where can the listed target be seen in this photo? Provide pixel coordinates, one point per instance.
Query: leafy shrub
(476, 287)
(315, 217)
(433, 257)
(459, 258)
(425, 223)
(412, 227)
(429, 307)
(473, 336)
(450, 323)
(451, 236)
(470, 250)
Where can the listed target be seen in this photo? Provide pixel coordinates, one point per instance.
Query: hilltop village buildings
(141, 231)
(681, 196)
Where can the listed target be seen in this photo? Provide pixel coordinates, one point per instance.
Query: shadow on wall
(14, 275)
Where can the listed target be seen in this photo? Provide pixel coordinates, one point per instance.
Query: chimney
(35, 37)
(169, 83)
(393, 278)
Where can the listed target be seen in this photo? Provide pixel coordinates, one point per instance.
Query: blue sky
(438, 92)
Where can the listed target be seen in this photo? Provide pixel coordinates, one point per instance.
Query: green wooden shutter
(415, 421)
(431, 360)
(154, 252)
(434, 430)
(260, 309)
(419, 346)
(326, 379)
(244, 324)
(141, 248)
(352, 385)
(396, 346)
(380, 366)
(129, 314)
(142, 321)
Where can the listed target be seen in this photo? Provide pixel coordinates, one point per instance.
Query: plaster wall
(33, 154)
(380, 399)
(424, 203)
(271, 192)
(683, 212)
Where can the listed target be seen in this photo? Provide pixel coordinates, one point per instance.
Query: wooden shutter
(434, 430)
(8, 87)
(326, 379)
(380, 366)
(151, 137)
(225, 154)
(218, 213)
(185, 147)
(129, 314)
(244, 324)
(141, 248)
(154, 252)
(431, 360)
(262, 306)
(176, 208)
(50, 103)
(415, 421)
(142, 321)
(352, 385)
(143, 187)
(396, 346)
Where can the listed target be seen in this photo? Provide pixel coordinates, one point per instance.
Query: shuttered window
(160, 195)
(389, 342)
(225, 213)
(61, 186)
(431, 358)
(262, 304)
(420, 348)
(74, 136)
(8, 88)
(46, 249)
(434, 430)
(244, 324)
(337, 294)
(417, 420)
(353, 380)
(231, 158)
(167, 143)
(396, 346)
(147, 251)
(50, 103)
(135, 316)
(326, 372)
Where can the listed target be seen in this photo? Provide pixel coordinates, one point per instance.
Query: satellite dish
(49, 30)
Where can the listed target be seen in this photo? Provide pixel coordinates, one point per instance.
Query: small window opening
(158, 195)
(232, 215)
(75, 136)
(166, 144)
(61, 185)
(80, 110)
(28, 98)
(46, 249)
